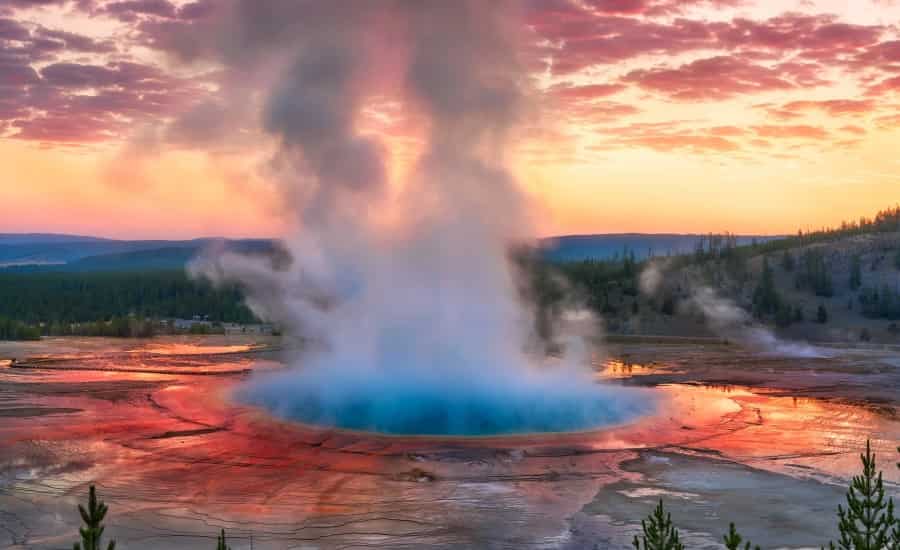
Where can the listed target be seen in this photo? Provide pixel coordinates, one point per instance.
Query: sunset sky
(648, 116)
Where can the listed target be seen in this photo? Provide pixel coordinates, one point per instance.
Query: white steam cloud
(651, 278)
(415, 325)
(727, 319)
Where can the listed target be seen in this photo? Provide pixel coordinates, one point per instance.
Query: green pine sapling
(868, 521)
(659, 533)
(220, 545)
(733, 540)
(92, 516)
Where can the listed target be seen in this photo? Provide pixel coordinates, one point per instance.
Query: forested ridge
(795, 280)
(50, 298)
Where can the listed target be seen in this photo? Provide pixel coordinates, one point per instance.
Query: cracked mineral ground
(766, 441)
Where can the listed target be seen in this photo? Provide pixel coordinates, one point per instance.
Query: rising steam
(727, 319)
(411, 325)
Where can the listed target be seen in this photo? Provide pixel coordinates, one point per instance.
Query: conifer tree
(220, 545)
(868, 521)
(93, 516)
(733, 540)
(659, 533)
(765, 298)
(895, 534)
(855, 272)
(787, 261)
(822, 314)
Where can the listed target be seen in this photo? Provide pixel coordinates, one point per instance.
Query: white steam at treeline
(726, 318)
(412, 326)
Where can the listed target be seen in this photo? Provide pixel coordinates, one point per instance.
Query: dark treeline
(120, 303)
(814, 273)
(37, 299)
(885, 221)
(718, 247)
(116, 327)
(610, 287)
(17, 330)
(601, 280)
(883, 303)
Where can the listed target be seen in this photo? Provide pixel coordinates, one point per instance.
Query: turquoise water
(431, 405)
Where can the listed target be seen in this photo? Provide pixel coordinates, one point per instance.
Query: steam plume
(727, 319)
(415, 325)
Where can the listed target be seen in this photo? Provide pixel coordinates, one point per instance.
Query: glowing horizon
(650, 116)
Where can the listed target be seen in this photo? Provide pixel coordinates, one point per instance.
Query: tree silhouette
(765, 298)
(855, 272)
(220, 544)
(659, 533)
(788, 263)
(822, 314)
(92, 516)
(868, 523)
(733, 540)
(895, 533)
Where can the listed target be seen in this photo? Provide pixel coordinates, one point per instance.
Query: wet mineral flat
(762, 440)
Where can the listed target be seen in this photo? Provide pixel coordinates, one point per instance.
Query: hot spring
(438, 404)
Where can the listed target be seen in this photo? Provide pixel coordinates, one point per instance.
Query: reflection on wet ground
(176, 459)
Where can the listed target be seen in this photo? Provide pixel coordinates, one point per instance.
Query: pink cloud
(67, 129)
(728, 131)
(852, 129)
(14, 74)
(833, 107)
(618, 6)
(737, 57)
(884, 86)
(586, 40)
(668, 137)
(797, 131)
(590, 91)
(602, 34)
(695, 143)
(13, 30)
(888, 122)
(75, 42)
(599, 111)
(131, 10)
(885, 55)
(713, 78)
(809, 35)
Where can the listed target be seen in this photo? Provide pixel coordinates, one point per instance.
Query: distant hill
(49, 252)
(31, 252)
(569, 248)
(35, 238)
(158, 258)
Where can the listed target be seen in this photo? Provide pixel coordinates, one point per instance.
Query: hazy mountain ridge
(59, 252)
(567, 248)
(32, 238)
(42, 252)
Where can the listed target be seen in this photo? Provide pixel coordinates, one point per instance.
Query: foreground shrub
(92, 532)
(733, 540)
(868, 523)
(220, 543)
(659, 533)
